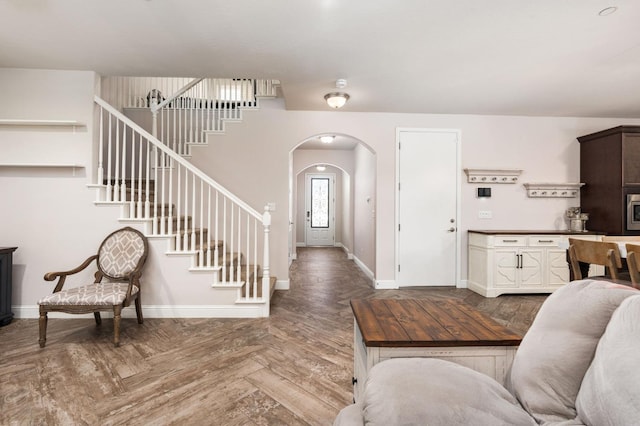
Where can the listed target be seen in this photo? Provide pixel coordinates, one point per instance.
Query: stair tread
(272, 287)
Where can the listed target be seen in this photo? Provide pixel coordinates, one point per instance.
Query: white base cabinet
(502, 263)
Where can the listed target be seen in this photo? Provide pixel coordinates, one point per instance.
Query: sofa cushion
(429, 391)
(349, 416)
(610, 391)
(556, 351)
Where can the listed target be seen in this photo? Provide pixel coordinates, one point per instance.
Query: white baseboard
(282, 285)
(386, 285)
(346, 250)
(161, 311)
(302, 244)
(463, 284)
(368, 272)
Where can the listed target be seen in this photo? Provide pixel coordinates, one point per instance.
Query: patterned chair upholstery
(120, 260)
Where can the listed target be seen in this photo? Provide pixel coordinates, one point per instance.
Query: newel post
(266, 222)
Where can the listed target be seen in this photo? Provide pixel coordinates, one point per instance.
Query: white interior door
(320, 211)
(427, 240)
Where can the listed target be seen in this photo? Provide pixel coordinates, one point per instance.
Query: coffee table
(447, 329)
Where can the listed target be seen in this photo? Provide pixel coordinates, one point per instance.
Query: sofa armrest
(434, 392)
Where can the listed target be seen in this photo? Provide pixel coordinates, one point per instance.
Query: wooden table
(447, 329)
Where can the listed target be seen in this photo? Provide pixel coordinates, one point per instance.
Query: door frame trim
(458, 134)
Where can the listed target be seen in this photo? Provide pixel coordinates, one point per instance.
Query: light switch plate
(485, 214)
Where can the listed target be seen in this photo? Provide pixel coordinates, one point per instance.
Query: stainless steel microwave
(633, 212)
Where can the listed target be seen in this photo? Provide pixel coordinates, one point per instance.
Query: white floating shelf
(492, 175)
(38, 165)
(73, 167)
(553, 190)
(17, 122)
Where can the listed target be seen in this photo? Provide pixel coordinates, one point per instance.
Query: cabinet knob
(354, 380)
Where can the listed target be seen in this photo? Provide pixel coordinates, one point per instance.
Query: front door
(320, 207)
(427, 240)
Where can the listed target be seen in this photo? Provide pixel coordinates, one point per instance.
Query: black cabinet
(610, 169)
(6, 263)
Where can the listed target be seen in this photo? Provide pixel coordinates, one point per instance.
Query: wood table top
(427, 323)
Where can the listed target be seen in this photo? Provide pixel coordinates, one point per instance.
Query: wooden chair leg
(96, 315)
(139, 310)
(43, 327)
(116, 325)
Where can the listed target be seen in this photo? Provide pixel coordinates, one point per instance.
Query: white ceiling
(515, 57)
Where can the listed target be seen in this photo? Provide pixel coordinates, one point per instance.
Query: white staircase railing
(177, 200)
(185, 110)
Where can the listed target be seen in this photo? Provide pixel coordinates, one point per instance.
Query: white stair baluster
(255, 257)
(109, 194)
(116, 178)
(101, 149)
(216, 251)
(179, 208)
(140, 179)
(123, 185)
(193, 212)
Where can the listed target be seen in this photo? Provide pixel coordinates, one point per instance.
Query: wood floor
(293, 368)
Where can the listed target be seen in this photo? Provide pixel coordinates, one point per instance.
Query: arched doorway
(354, 165)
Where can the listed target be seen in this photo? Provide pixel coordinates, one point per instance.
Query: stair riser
(185, 222)
(160, 210)
(189, 237)
(225, 275)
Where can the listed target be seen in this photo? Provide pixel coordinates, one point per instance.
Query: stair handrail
(176, 157)
(192, 83)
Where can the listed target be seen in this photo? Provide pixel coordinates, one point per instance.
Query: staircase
(155, 185)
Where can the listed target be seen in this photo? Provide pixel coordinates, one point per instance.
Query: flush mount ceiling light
(321, 168)
(337, 99)
(326, 138)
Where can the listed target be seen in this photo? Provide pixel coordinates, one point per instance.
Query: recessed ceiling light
(321, 168)
(326, 139)
(607, 11)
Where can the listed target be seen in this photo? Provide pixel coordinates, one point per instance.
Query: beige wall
(544, 147)
(50, 216)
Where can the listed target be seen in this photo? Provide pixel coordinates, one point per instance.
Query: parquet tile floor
(293, 368)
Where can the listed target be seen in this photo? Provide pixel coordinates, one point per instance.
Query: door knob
(452, 229)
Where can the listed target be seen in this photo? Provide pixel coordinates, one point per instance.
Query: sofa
(579, 364)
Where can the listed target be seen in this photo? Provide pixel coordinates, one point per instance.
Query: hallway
(293, 368)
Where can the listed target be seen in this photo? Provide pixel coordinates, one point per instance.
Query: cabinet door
(558, 267)
(506, 262)
(531, 269)
(631, 158)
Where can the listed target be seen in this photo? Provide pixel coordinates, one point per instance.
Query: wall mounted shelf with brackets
(553, 190)
(492, 175)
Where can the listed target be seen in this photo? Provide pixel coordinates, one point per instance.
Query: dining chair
(633, 261)
(606, 254)
(120, 259)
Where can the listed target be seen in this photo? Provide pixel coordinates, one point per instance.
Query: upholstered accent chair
(120, 259)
